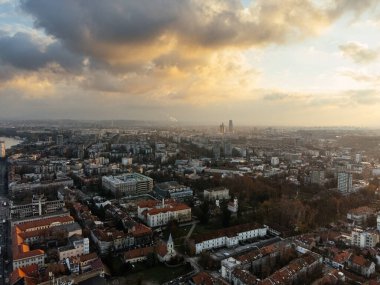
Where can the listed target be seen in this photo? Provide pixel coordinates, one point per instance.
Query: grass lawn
(158, 274)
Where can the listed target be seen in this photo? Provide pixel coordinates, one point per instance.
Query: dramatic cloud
(181, 56)
(135, 32)
(359, 53)
(21, 51)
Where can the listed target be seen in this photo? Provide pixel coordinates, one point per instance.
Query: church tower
(170, 245)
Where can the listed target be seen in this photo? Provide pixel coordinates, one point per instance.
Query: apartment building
(128, 184)
(155, 213)
(227, 237)
(362, 239)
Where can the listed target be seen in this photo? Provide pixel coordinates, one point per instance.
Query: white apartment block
(128, 184)
(160, 217)
(345, 182)
(364, 239)
(157, 214)
(227, 237)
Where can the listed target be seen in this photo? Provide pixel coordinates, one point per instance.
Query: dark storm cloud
(21, 51)
(93, 27)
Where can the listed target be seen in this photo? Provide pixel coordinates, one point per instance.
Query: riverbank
(9, 142)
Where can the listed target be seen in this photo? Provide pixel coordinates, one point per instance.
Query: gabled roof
(360, 260)
(203, 278)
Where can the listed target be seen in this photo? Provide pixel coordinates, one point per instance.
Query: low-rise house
(219, 193)
(142, 234)
(361, 265)
(138, 254)
(332, 278)
(340, 258)
(78, 246)
(111, 240)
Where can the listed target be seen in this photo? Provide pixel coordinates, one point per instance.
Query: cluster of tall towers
(223, 129)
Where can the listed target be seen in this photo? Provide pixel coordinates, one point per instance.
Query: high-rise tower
(3, 170)
(230, 127)
(344, 182)
(222, 128)
(2, 149)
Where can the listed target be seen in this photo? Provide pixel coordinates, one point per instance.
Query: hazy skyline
(264, 62)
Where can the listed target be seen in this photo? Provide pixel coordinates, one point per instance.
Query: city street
(4, 240)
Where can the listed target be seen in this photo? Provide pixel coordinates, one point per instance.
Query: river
(9, 142)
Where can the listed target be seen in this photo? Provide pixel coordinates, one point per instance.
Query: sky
(257, 62)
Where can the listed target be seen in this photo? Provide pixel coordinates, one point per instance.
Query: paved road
(190, 231)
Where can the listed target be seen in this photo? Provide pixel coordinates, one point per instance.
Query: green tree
(204, 213)
(226, 214)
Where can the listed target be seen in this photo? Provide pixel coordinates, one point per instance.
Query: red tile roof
(138, 252)
(29, 272)
(20, 250)
(245, 276)
(360, 261)
(162, 249)
(342, 257)
(171, 208)
(147, 203)
(88, 257)
(140, 230)
(203, 278)
(45, 222)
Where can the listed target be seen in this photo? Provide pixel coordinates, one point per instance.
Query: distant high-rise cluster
(223, 128)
